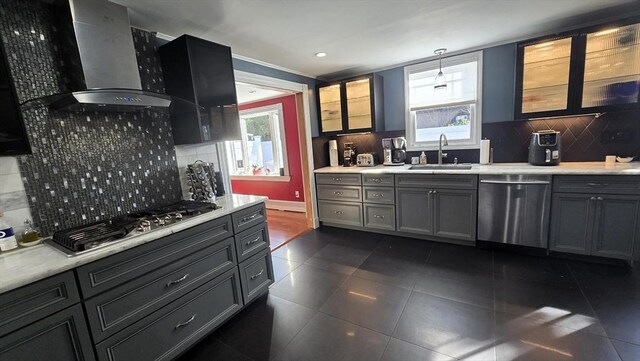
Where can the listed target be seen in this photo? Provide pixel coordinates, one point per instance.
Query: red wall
(284, 191)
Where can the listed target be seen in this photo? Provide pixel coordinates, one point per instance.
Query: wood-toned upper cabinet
(582, 72)
(351, 106)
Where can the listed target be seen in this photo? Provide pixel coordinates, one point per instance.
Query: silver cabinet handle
(252, 242)
(376, 180)
(592, 198)
(337, 193)
(486, 181)
(257, 275)
(337, 179)
(338, 212)
(600, 199)
(171, 283)
(182, 324)
(597, 185)
(378, 216)
(378, 195)
(246, 219)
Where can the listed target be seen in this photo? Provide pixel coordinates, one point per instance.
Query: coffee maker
(350, 153)
(395, 150)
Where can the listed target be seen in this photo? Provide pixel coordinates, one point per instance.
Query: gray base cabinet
(413, 211)
(604, 222)
(455, 214)
(62, 336)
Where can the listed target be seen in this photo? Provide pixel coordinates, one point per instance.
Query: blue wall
(249, 67)
(498, 73)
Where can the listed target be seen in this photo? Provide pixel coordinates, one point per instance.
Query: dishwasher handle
(486, 181)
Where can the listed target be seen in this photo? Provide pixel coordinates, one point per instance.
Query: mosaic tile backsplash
(85, 166)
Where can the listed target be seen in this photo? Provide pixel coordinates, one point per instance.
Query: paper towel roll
(485, 151)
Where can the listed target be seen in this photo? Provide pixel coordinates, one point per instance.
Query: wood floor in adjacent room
(285, 226)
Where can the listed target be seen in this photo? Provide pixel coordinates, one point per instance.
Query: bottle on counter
(8, 240)
(423, 158)
(30, 236)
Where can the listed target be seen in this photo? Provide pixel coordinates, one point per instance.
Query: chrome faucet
(440, 154)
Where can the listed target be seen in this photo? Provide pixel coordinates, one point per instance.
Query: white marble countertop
(27, 265)
(569, 168)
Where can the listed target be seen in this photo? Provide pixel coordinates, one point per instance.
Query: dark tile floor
(346, 295)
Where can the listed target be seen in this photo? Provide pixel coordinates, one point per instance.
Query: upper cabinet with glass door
(611, 67)
(582, 72)
(351, 106)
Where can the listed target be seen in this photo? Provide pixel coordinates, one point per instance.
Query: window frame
(476, 124)
(278, 108)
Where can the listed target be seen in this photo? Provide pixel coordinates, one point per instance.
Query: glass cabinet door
(330, 108)
(359, 104)
(545, 77)
(612, 67)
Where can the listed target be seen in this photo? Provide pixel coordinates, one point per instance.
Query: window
(261, 152)
(454, 111)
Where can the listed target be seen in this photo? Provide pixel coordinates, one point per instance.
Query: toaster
(367, 160)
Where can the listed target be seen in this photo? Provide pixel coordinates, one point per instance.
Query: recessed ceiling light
(321, 54)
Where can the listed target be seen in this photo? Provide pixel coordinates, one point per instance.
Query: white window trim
(476, 127)
(262, 178)
(267, 108)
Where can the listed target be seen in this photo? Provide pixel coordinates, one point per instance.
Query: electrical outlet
(297, 194)
(615, 136)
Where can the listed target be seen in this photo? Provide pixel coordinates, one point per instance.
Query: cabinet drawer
(256, 275)
(437, 181)
(252, 241)
(99, 276)
(377, 180)
(247, 218)
(379, 195)
(172, 329)
(340, 193)
(120, 307)
(340, 213)
(62, 336)
(380, 216)
(597, 184)
(343, 179)
(30, 303)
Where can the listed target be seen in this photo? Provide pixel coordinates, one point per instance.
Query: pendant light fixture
(440, 82)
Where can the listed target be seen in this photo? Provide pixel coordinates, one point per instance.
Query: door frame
(309, 179)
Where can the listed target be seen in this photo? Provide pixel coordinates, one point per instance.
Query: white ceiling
(248, 93)
(358, 35)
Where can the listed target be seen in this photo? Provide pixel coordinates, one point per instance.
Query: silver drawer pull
(338, 212)
(592, 198)
(378, 216)
(337, 179)
(246, 219)
(257, 275)
(597, 185)
(377, 180)
(169, 284)
(181, 325)
(252, 242)
(600, 199)
(378, 195)
(337, 193)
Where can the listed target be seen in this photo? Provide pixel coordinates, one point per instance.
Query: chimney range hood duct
(108, 61)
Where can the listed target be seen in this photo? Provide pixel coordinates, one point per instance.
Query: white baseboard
(286, 205)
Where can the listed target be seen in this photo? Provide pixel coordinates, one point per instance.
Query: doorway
(272, 158)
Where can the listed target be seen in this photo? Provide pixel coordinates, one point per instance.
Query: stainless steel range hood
(109, 68)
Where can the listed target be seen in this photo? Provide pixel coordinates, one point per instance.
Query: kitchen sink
(440, 166)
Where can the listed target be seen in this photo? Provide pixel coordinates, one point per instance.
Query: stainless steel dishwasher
(514, 209)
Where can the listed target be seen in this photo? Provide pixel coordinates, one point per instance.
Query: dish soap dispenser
(7, 238)
(423, 158)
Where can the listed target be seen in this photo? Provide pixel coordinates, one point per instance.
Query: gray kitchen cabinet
(380, 216)
(572, 218)
(62, 336)
(345, 213)
(414, 211)
(455, 214)
(617, 222)
(256, 275)
(605, 225)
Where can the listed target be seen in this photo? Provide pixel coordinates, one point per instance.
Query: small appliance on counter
(367, 159)
(350, 153)
(397, 153)
(544, 148)
(333, 153)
